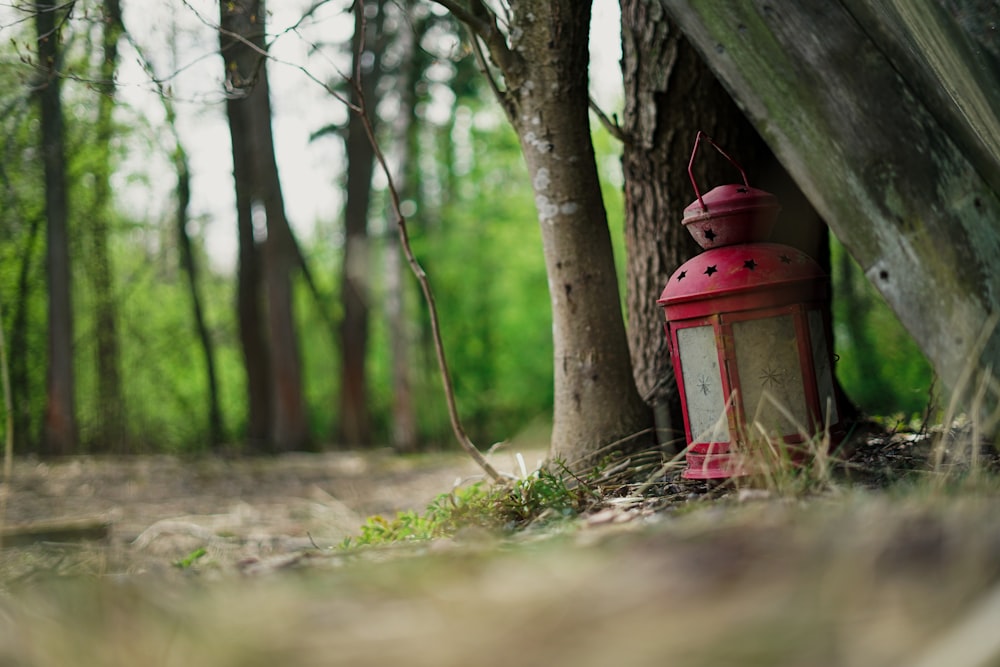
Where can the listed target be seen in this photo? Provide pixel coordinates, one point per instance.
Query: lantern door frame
(732, 383)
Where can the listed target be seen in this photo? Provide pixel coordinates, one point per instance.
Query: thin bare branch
(484, 67)
(418, 271)
(265, 53)
(613, 128)
(475, 21)
(302, 19)
(481, 20)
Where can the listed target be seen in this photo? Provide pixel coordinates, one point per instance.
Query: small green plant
(447, 513)
(192, 558)
(544, 496)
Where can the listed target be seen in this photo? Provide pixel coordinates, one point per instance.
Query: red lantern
(746, 325)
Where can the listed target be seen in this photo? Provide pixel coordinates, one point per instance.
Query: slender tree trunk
(259, 196)
(189, 265)
(241, 61)
(290, 428)
(249, 298)
(404, 419)
(110, 428)
(20, 376)
(216, 431)
(544, 62)
(355, 417)
(59, 432)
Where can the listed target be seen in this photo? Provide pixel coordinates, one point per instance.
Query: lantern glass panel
(706, 406)
(824, 374)
(767, 360)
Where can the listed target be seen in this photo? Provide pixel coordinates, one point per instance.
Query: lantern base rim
(711, 461)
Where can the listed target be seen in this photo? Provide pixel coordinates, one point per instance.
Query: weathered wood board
(904, 177)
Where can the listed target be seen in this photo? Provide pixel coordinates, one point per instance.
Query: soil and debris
(233, 562)
(153, 510)
(147, 513)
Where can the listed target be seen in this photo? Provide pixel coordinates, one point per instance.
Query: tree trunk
(597, 408)
(355, 417)
(404, 418)
(189, 265)
(21, 378)
(259, 195)
(109, 434)
(216, 430)
(59, 432)
(669, 96)
(249, 299)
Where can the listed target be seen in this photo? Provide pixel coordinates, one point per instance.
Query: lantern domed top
(731, 214)
(728, 214)
(737, 270)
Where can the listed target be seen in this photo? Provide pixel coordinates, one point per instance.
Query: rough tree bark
(542, 56)
(277, 406)
(59, 430)
(249, 300)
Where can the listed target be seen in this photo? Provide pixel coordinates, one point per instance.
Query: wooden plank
(950, 57)
(894, 187)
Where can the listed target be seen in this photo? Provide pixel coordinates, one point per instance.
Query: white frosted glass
(703, 384)
(767, 360)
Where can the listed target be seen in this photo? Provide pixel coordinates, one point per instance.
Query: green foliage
(476, 235)
(192, 558)
(463, 507)
(879, 365)
(544, 497)
(164, 378)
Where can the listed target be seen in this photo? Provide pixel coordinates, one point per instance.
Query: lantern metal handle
(698, 139)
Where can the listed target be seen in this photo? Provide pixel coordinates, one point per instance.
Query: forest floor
(236, 562)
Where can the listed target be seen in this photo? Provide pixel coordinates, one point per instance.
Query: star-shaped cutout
(750, 264)
(772, 377)
(785, 259)
(709, 234)
(710, 270)
(681, 276)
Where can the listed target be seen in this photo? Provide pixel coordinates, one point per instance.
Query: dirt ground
(853, 576)
(153, 510)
